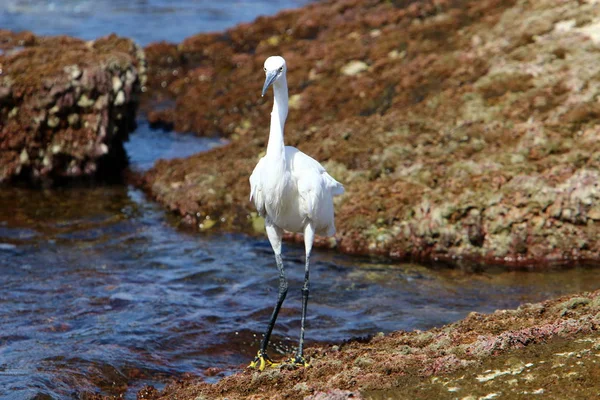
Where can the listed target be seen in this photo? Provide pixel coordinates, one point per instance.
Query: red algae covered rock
(66, 105)
(552, 345)
(461, 129)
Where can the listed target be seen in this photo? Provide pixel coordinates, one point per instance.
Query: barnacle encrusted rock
(66, 105)
(552, 345)
(465, 129)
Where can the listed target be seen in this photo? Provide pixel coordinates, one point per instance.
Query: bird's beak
(271, 75)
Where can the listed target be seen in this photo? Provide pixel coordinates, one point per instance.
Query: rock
(117, 84)
(592, 31)
(5, 92)
(53, 121)
(513, 352)
(295, 101)
(73, 120)
(594, 213)
(48, 109)
(473, 135)
(120, 99)
(74, 71)
(85, 102)
(354, 67)
(335, 394)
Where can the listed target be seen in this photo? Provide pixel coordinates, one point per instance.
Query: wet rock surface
(550, 349)
(461, 129)
(66, 105)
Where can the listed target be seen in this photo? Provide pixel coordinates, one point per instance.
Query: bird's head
(275, 68)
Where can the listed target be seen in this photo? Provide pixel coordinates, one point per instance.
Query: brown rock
(56, 100)
(551, 345)
(465, 105)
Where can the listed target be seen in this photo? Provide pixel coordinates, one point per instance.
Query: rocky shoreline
(462, 130)
(550, 349)
(66, 106)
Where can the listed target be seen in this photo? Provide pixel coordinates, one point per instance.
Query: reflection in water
(100, 292)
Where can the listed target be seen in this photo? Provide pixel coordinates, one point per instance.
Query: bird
(292, 192)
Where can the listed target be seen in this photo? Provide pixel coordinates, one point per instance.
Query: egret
(293, 192)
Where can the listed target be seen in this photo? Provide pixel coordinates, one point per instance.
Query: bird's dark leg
(262, 360)
(299, 359)
(309, 236)
(283, 288)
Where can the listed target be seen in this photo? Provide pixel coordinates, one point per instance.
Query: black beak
(271, 75)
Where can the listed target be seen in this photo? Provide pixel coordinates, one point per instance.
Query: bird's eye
(265, 69)
(281, 69)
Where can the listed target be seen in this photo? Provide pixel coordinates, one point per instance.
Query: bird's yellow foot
(300, 361)
(261, 361)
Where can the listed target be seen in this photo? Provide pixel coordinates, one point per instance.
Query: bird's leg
(262, 360)
(309, 237)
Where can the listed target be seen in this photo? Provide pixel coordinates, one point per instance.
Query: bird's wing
(313, 182)
(256, 190)
(302, 163)
(310, 190)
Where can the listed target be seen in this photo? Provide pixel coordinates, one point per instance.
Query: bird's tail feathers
(337, 189)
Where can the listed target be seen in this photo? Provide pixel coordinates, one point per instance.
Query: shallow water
(142, 20)
(101, 292)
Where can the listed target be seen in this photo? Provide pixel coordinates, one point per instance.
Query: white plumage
(293, 192)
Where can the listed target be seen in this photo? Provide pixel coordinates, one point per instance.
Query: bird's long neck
(275, 147)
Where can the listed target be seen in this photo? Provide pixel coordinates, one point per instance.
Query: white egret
(293, 192)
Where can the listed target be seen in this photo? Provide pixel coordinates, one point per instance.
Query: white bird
(293, 192)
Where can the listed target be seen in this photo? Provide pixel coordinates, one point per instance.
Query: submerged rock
(66, 105)
(472, 135)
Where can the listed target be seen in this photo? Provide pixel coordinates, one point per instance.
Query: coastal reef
(66, 105)
(544, 350)
(463, 130)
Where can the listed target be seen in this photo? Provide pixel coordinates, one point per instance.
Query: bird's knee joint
(283, 289)
(305, 291)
